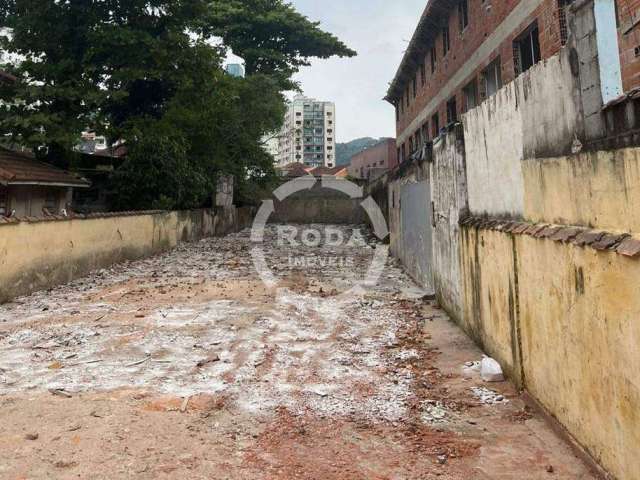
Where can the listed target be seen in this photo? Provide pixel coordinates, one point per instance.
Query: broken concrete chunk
(491, 371)
(210, 359)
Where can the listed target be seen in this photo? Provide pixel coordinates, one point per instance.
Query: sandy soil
(186, 366)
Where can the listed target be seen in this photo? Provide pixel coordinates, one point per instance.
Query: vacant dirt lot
(186, 366)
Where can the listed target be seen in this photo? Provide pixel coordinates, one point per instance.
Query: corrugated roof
(19, 168)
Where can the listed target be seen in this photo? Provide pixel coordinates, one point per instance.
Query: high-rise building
(308, 135)
(235, 70)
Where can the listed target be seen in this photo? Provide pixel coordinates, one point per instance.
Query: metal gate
(416, 228)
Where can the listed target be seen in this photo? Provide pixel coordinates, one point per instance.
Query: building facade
(29, 188)
(463, 51)
(235, 70)
(374, 161)
(308, 134)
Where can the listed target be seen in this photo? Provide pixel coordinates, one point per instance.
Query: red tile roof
(294, 170)
(320, 171)
(22, 169)
(7, 76)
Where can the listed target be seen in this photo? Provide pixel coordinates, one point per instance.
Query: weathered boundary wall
(536, 241)
(320, 206)
(449, 196)
(36, 255)
(559, 307)
(534, 115)
(410, 221)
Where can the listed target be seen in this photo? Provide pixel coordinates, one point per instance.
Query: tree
(137, 69)
(272, 37)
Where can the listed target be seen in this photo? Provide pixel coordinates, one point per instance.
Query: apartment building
(308, 134)
(374, 161)
(463, 51)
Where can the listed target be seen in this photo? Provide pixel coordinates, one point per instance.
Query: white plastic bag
(491, 371)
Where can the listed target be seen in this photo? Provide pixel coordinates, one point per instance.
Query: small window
(411, 145)
(415, 87)
(526, 49)
(423, 74)
(492, 78)
(446, 41)
(463, 14)
(403, 153)
(425, 132)
(435, 125)
(452, 111)
(434, 59)
(470, 93)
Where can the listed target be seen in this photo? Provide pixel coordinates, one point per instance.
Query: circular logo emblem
(313, 237)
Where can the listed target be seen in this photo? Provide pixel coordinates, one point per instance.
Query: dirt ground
(186, 366)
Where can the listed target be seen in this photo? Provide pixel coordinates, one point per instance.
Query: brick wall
(484, 18)
(629, 29)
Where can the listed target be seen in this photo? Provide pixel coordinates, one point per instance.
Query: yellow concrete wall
(40, 255)
(580, 321)
(577, 324)
(489, 291)
(599, 189)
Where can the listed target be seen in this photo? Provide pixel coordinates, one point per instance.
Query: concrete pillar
(594, 41)
(608, 50)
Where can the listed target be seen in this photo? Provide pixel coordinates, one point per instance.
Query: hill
(344, 151)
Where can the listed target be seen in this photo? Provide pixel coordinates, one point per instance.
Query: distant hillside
(344, 151)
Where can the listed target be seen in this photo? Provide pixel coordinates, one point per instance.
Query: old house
(30, 188)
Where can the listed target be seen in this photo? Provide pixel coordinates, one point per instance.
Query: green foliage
(150, 72)
(157, 174)
(272, 37)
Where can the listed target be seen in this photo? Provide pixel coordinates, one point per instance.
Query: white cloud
(379, 30)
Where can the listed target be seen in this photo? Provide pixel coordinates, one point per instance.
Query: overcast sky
(379, 30)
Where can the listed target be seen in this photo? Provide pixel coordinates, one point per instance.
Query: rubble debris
(433, 412)
(185, 404)
(32, 436)
(210, 359)
(488, 397)
(60, 392)
(491, 371)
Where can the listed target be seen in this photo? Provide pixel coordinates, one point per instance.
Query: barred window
(562, 17)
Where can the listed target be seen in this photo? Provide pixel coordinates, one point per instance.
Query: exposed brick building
(464, 50)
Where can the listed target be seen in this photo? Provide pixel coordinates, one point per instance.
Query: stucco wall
(579, 311)
(490, 286)
(39, 255)
(599, 189)
(573, 313)
(532, 116)
(319, 205)
(449, 196)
